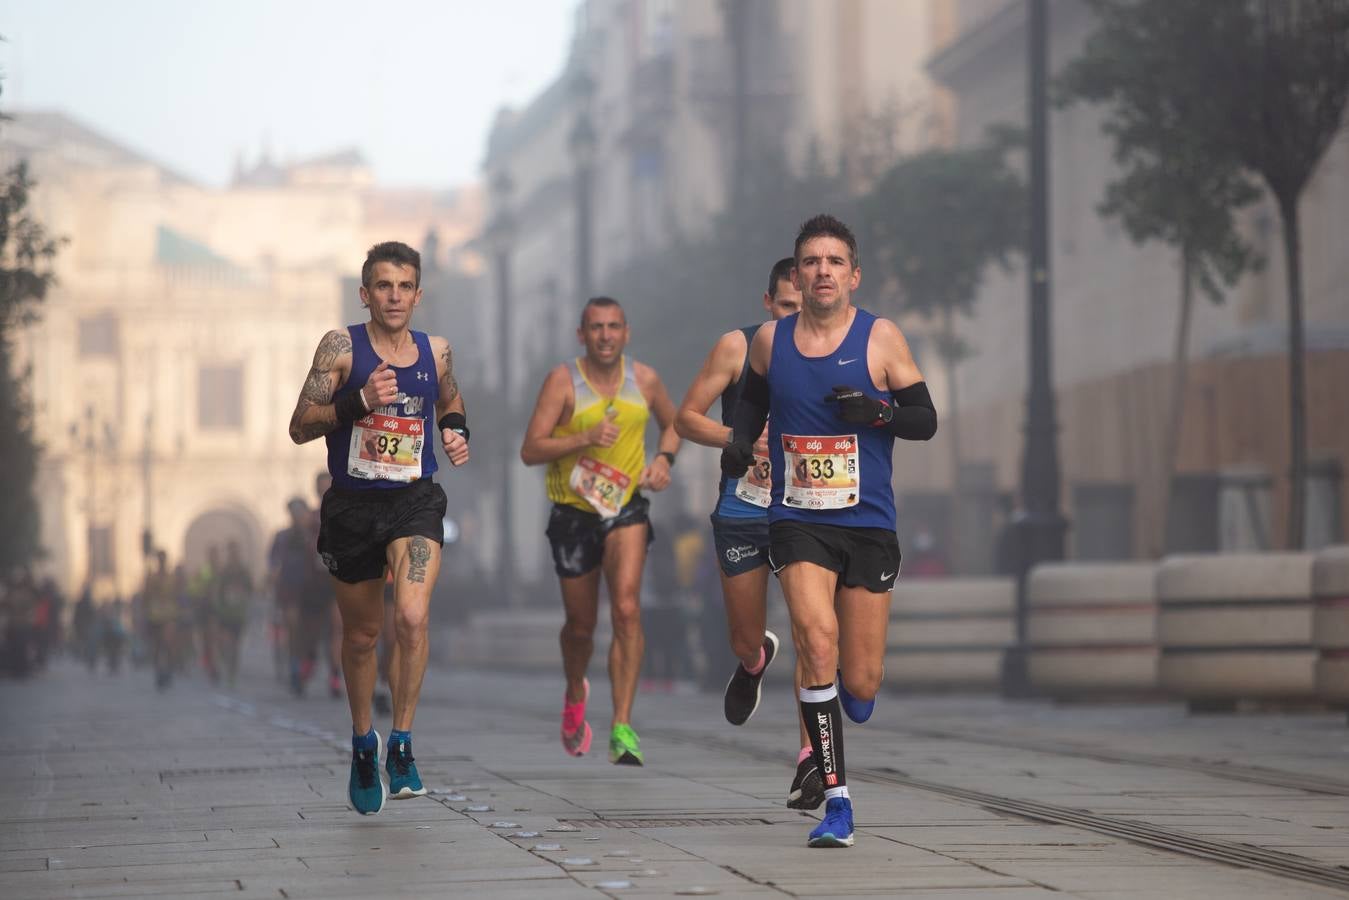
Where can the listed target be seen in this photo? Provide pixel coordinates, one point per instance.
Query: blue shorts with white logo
(742, 544)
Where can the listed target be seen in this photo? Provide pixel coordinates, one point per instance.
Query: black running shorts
(863, 557)
(356, 526)
(742, 544)
(577, 536)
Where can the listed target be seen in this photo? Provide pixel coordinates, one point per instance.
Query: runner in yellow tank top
(589, 427)
(601, 479)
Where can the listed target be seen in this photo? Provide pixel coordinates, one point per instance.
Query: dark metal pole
(737, 27)
(584, 283)
(1040, 530)
(505, 569)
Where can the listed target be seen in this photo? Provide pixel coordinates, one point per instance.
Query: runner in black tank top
(740, 527)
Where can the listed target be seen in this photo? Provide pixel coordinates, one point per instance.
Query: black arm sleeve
(914, 417)
(751, 413)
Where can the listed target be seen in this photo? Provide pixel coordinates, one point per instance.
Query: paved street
(122, 792)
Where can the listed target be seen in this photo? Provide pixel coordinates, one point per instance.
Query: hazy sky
(190, 83)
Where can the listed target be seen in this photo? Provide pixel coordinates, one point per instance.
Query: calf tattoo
(419, 554)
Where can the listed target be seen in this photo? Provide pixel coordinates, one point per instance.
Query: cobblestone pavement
(125, 792)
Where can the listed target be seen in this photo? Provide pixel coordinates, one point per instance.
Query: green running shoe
(624, 747)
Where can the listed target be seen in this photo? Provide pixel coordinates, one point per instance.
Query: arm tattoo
(449, 387)
(419, 554)
(318, 387)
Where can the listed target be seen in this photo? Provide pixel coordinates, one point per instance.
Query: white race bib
(821, 471)
(387, 447)
(600, 485)
(756, 485)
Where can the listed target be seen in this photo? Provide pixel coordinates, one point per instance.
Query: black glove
(737, 458)
(857, 408)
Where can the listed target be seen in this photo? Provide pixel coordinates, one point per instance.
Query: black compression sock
(823, 717)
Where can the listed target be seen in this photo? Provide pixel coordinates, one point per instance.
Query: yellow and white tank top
(601, 479)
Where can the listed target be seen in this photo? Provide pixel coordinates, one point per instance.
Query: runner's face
(392, 294)
(604, 334)
(825, 274)
(784, 301)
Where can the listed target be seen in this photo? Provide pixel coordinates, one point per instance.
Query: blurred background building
(643, 138)
(168, 356)
(1115, 313)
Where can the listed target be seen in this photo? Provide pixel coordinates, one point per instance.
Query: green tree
(26, 254)
(934, 223)
(1169, 190)
(1260, 84)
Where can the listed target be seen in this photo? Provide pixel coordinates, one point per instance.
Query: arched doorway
(218, 527)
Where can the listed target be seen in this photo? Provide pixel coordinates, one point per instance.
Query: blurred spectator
(231, 598)
(160, 607)
(925, 558)
(85, 625)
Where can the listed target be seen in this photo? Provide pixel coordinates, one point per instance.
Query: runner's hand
(737, 458)
(381, 388)
(656, 476)
(606, 432)
(456, 446)
(855, 406)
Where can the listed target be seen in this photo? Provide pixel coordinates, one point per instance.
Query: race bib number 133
(821, 471)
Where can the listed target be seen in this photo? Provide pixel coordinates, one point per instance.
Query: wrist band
(669, 457)
(454, 421)
(349, 408)
(364, 402)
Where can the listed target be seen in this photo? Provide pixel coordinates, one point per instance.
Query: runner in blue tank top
(376, 391)
(740, 525)
(836, 386)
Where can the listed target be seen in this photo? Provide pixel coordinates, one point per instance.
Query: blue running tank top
(825, 469)
(389, 447)
(729, 502)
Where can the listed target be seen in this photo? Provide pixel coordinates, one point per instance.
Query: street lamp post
(1040, 531)
(501, 236)
(582, 142)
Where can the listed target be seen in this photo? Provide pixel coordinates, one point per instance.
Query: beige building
(1115, 311)
(168, 356)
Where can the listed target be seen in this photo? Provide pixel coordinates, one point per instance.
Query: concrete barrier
(1092, 628)
(1330, 624)
(523, 639)
(949, 633)
(1236, 626)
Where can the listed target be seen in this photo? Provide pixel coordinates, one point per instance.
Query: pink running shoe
(575, 728)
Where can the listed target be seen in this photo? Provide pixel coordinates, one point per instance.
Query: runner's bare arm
(888, 357)
(656, 475)
(554, 398)
(761, 348)
(449, 401)
(314, 415)
(720, 369)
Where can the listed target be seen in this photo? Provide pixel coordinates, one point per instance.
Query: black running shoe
(742, 691)
(807, 787)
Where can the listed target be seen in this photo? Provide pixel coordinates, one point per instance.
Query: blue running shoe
(857, 710)
(365, 787)
(835, 829)
(404, 782)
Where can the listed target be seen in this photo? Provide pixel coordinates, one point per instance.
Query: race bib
(821, 471)
(387, 447)
(600, 485)
(756, 485)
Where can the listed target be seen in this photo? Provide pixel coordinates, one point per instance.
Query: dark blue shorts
(742, 544)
